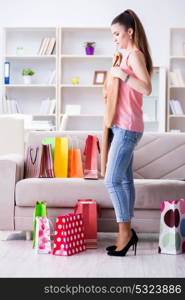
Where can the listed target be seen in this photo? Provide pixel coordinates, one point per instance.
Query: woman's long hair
(129, 19)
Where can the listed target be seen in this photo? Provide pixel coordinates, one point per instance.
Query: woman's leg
(119, 158)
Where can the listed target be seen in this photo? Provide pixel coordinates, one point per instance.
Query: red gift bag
(69, 235)
(89, 209)
(92, 147)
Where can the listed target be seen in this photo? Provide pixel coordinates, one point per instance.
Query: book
(51, 46)
(52, 77)
(172, 106)
(46, 45)
(40, 48)
(173, 79)
(179, 77)
(72, 109)
(178, 107)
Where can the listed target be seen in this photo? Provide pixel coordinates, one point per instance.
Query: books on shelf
(176, 78)
(176, 107)
(10, 106)
(47, 46)
(42, 124)
(47, 107)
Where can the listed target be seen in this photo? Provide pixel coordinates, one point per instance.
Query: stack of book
(176, 78)
(176, 107)
(47, 46)
(42, 125)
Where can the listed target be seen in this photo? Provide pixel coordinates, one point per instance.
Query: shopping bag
(61, 157)
(75, 166)
(46, 164)
(89, 210)
(39, 211)
(50, 140)
(91, 150)
(32, 162)
(42, 236)
(69, 235)
(172, 227)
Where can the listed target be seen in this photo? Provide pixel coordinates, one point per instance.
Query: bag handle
(33, 161)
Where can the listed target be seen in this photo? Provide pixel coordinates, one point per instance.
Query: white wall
(156, 15)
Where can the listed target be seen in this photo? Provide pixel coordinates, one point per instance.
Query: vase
(89, 50)
(27, 79)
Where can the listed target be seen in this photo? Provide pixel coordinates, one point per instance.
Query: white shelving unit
(69, 60)
(176, 60)
(29, 96)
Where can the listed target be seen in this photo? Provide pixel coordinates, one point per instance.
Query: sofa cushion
(64, 192)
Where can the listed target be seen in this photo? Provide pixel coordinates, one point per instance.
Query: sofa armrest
(11, 171)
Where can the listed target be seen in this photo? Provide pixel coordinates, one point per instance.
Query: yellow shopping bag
(61, 157)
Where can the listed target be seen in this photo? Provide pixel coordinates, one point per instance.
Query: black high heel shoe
(133, 242)
(113, 247)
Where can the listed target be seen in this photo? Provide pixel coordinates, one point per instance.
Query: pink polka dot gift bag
(69, 235)
(172, 227)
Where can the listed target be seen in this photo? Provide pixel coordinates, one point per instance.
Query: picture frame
(99, 77)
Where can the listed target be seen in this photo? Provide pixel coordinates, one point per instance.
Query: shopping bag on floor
(42, 236)
(89, 210)
(91, 150)
(75, 166)
(46, 164)
(172, 227)
(32, 162)
(39, 211)
(69, 235)
(61, 157)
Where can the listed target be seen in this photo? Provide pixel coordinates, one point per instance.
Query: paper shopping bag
(50, 140)
(89, 209)
(75, 166)
(42, 236)
(32, 162)
(69, 235)
(91, 150)
(46, 165)
(61, 157)
(39, 211)
(172, 227)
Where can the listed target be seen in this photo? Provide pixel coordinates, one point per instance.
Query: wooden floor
(18, 259)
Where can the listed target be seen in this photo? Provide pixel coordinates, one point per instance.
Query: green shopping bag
(50, 140)
(39, 211)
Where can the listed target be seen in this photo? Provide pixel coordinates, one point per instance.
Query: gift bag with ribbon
(172, 227)
(32, 162)
(46, 164)
(75, 166)
(42, 236)
(39, 211)
(89, 210)
(61, 157)
(69, 235)
(91, 150)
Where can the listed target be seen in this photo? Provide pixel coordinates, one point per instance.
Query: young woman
(135, 81)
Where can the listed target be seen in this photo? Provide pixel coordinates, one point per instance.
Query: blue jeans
(119, 174)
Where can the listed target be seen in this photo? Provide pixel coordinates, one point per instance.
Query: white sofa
(159, 163)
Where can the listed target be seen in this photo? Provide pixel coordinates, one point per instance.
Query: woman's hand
(118, 73)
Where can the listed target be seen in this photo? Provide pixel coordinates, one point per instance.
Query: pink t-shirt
(129, 114)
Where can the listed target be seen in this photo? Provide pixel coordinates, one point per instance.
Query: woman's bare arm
(143, 81)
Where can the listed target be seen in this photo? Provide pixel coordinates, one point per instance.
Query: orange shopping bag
(75, 166)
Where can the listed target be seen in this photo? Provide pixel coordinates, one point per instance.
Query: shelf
(177, 116)
(28, 85)
(176, 87)
(82, 115)
(81, 86)
(29, 56)
(177, 57)
(86, 56)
